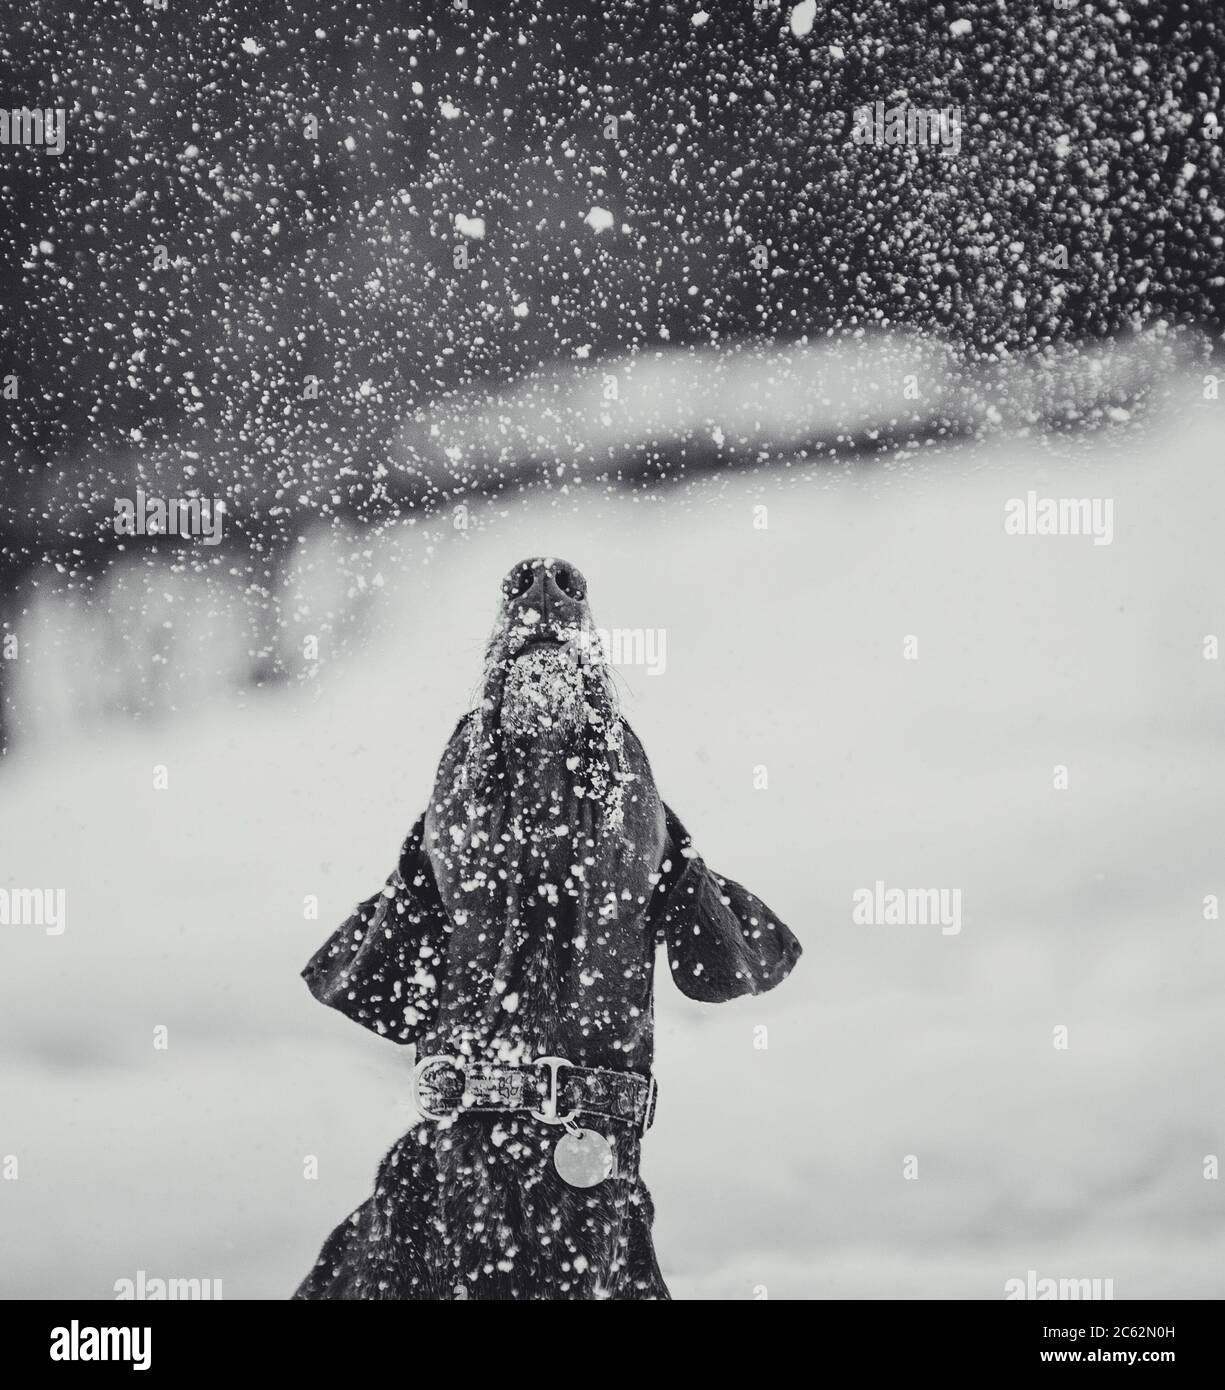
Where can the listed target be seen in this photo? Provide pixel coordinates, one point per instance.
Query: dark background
(334, 257)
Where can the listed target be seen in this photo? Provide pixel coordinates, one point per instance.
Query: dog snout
(554, 589)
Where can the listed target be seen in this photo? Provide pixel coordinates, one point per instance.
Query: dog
(514, 946)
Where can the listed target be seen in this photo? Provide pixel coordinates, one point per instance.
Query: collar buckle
(419, 1072)
(548, 1114)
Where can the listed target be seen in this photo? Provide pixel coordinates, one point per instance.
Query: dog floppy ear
(722, 941)
(380, 967)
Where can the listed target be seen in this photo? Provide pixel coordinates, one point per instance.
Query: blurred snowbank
(782, 1167)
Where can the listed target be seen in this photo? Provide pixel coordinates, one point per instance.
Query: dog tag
(584, 1158)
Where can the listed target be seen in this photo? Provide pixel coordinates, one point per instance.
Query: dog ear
(721, 940)
(380, 968)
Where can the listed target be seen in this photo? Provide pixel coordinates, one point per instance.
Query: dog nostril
(568, 582)
(518, 582)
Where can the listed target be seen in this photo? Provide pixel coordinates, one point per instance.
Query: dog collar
(552, 1089)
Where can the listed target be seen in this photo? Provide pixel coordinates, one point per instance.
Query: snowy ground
(780, 1168)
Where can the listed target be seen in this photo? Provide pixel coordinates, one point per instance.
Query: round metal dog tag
(584, 1158)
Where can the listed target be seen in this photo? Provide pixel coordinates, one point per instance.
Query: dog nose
(556, 589)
